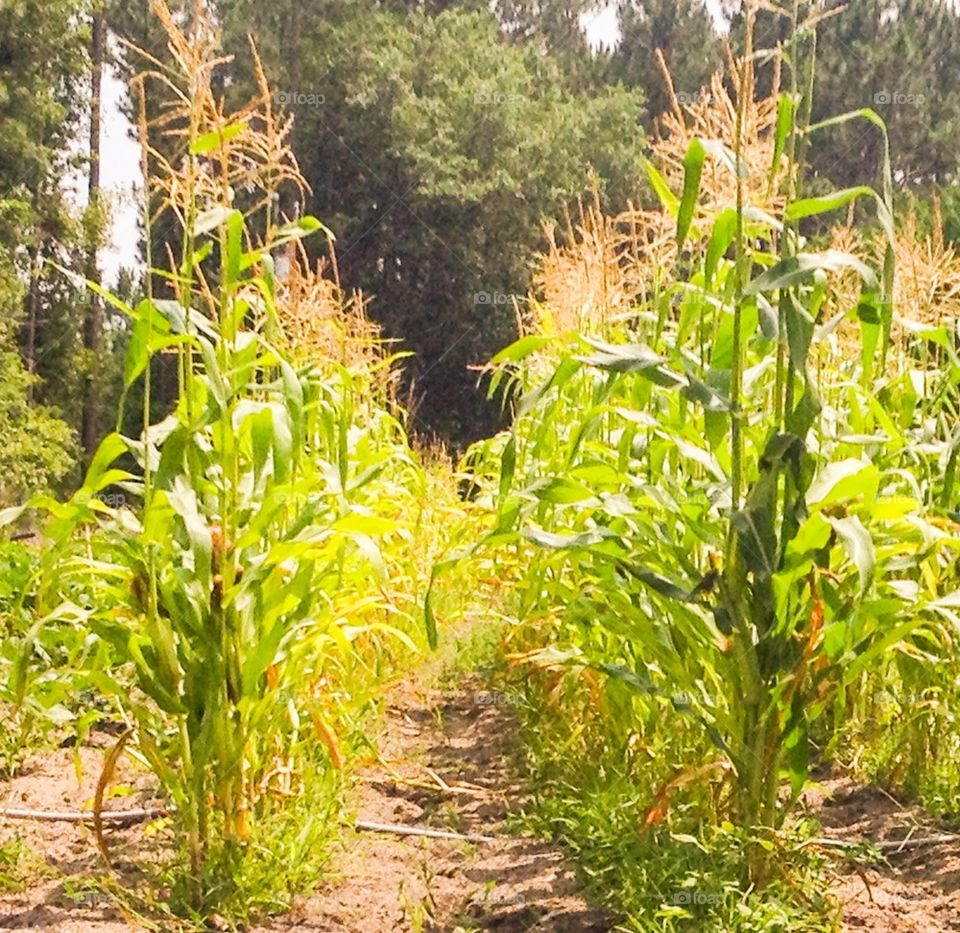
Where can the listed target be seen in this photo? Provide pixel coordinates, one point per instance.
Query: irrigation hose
(124, 817)
(129, 817)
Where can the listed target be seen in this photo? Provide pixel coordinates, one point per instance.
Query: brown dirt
(916, 890)
(57, 851)
(392, 883)
(444, 764)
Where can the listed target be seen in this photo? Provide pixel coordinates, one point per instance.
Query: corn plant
(730, 518)
(234, 552)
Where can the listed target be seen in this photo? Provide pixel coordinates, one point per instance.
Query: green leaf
(800, 327)
(633, 358)
(429, 619)
(203, 145)
(859, 546)
(692, 171)
(508, 466)
(520, 349)
(150, 335)
(111, 447)
(183, 499)
(756, 521)
(584, 539)
(235, 230)
(823, 204)
(659, 584)
(562, 491)
(801, 418)
(800, 268)
(282, 443)
(261, 656)
(797, 748)
(212, 219)
(786, 116)
(288, 233)
(844, 480)
(723, 154)
(724, 229)
(668, 199)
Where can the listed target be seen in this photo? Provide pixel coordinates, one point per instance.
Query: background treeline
(436, 138)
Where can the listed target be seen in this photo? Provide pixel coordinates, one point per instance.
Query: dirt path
(444, 763)
(392, 883)
(917, 890)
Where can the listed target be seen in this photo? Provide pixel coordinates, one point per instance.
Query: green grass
(13, 871)
(288, 854)
(683, 874)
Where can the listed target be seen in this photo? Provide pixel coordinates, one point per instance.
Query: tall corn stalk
(673, 485)
(251, 552)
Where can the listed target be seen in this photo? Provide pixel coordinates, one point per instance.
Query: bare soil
(57, 852)
(916, 889)
(444, 763)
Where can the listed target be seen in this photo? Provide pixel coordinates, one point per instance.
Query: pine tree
(42, 60)
(900, 58)
(38, 446)
(685, 34)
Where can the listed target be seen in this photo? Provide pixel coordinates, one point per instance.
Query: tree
(37, 447)
(900, 58)
(434, 150)
(554, 26)
(42, 60)
(903, 59)
(684, 32)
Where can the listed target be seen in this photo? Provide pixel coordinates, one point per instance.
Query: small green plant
(11, 873)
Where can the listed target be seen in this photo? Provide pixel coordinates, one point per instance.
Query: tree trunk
(93, 319)
(30, 325)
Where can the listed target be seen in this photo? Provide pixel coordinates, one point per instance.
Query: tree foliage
(37, 445)
(41, 63)
(685, 34)
(900, 58)
(434, 149)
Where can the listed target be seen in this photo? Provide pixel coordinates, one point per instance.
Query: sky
(121, 180)
(120, 154)
(601, 25)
